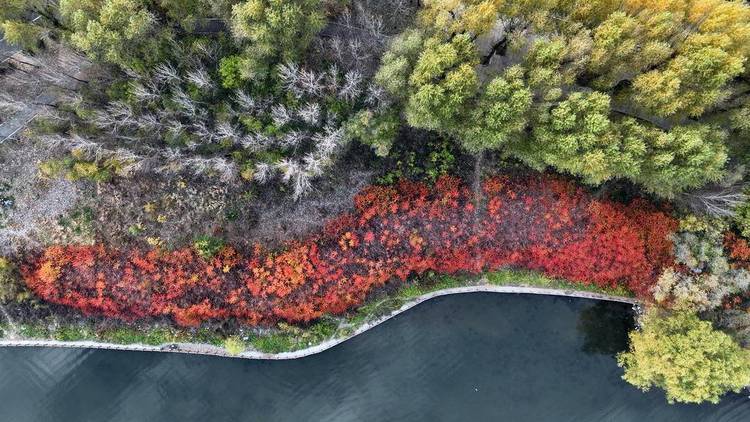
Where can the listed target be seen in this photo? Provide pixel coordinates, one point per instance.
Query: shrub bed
(539, 223)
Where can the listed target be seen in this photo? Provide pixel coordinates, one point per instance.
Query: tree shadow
(605, 327)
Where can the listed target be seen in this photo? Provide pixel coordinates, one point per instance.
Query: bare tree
(226, 130)
(165, 73)
(292, 139)
(352, 85)
(721, 199)
(263, 172)
(310, 114)
(310, 82)
(289, 75)
(186, 104)
(716, 203)
(281, 115)
(245, 101)
(200, 78)
(144, 93)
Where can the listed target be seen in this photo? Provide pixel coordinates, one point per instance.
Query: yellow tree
(686, 357)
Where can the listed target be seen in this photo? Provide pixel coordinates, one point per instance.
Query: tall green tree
(17, 26)
(275, 31)
(442, 82)
(123, 32)
(686, 357)
(639, 89)
(130, 33)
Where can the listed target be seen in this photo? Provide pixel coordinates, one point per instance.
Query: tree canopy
(122, 32)
(15, 25)
(275, 31)
(640, 89)
(129, 33)
(686, 357)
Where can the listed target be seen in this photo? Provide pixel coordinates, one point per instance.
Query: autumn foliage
(539, 223)
(738, 250)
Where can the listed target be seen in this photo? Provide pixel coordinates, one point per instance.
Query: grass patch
(234, 345)
(153, 336)
(534, 279)
(273, 343)
(72, 333)
(431, 283)
(33, 331)
(290, 338)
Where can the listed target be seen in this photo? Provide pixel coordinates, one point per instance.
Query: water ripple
(478, 357)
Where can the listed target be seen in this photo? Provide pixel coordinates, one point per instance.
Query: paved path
(207, 349)
(11, 126)
(21, 118)
(6, 50)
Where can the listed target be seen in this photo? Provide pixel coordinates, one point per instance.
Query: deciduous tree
(686, 357)
(275, 31)
(642, 89)
(123, 32)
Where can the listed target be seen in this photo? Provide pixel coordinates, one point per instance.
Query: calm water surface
(474, 357)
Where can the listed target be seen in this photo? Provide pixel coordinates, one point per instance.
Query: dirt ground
(150, 210)
(29, 216)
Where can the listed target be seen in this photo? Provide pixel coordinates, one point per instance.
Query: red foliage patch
(738, 250)
(539, 223)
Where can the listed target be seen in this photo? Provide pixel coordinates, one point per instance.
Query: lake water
(473, 357)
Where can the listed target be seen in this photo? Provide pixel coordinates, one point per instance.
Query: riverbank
(484, 284)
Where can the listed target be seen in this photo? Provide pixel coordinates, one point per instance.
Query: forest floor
(154, 210)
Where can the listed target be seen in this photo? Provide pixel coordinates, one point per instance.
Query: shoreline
(211, 350)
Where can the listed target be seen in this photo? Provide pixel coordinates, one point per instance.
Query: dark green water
(477, 357)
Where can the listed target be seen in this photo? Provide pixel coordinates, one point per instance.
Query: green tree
(16, 28)
(686, 157)
(442, 83)
(22, 34)
(398, 62)
(230, 70)
(641, 89)
(577, 136)
(742, 219)
(686, 357)
(275, 31)
(123, 32)
(10, 282)
(377, 130)
(500, 114)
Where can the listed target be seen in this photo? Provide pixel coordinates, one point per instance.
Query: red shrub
(546, 224)
(738, 249)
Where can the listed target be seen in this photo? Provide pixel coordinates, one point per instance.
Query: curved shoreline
(208, 349)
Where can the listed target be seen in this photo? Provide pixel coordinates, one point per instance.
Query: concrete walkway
(207, 349)
(23, 117)
(6, 50)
